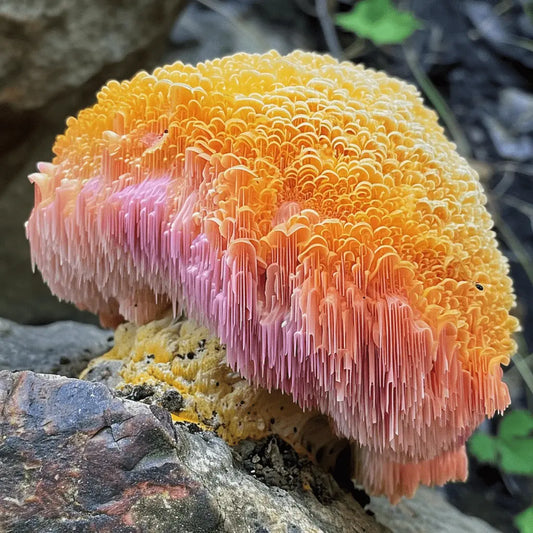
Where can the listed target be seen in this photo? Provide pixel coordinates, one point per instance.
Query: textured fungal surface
(166, 356)
(315, 218)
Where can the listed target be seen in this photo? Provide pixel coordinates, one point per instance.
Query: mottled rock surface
(74, 457)
(63, 348)
(427, 512)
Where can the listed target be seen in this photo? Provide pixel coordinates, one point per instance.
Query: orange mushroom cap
(314, 216)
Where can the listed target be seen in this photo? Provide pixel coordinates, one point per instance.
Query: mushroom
(311, 214)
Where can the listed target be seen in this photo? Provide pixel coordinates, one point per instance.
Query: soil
(275, 463)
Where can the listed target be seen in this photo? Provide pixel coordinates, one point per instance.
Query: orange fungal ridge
(313, 215)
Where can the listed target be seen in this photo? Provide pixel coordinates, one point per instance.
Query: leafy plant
(524, 521)
(512, 450)
(380, 21)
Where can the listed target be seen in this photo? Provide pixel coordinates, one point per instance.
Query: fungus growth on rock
(170, 355)
(315, 218)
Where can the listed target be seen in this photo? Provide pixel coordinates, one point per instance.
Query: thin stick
(438, 102)
(328, 28)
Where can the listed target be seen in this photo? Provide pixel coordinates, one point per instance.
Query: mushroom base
(181, 366)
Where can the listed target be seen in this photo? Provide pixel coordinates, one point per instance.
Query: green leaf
(512, 448)
(515, 442)
(483, 447)
(516, 424)
(380, 21)
(524, 521)
(516, 456)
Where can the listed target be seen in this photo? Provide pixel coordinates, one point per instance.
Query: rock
(515, 110)
(498, 29)
(507, 144)
(55, 46)
(74, 457)
(510, 130)
(427, 511)
(24, 297)
(63, 348)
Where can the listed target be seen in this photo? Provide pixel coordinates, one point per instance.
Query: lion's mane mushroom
(314, 216)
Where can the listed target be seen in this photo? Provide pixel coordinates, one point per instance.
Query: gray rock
(515, 110)
(106, 372)
(427, 511)
(497, 31)
(75, 458)
(506, 142)
(23, 295)
(62, 348)
(49, 47)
